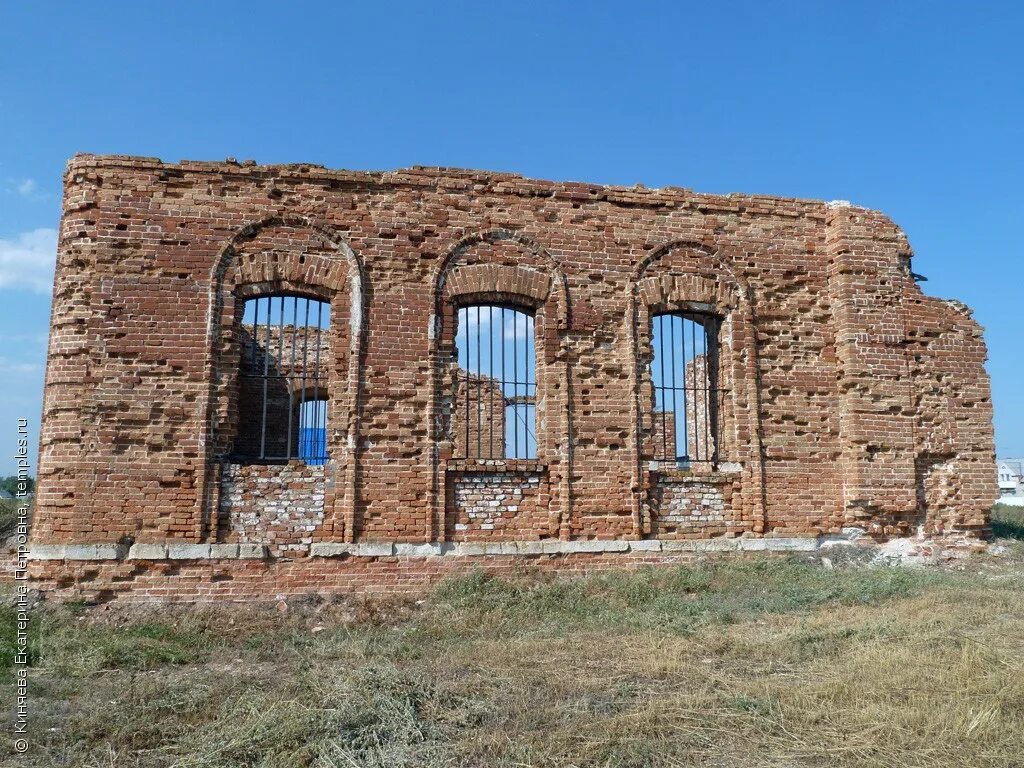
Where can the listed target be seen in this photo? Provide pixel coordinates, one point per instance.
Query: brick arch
(658, 291)
(704, 280)
(523, 284)
(464, 247)
(695, 249)
(311, 259)
(471, 272)
(313, 270)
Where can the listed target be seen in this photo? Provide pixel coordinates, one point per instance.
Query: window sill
(495, 466)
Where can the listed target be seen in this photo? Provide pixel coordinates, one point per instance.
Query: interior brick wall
(282, 367)
(850, 398)
(477, 417)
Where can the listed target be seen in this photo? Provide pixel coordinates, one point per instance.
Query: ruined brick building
(271, 380)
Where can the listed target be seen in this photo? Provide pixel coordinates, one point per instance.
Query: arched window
(282, 402)
(687, 397)
(495, 399)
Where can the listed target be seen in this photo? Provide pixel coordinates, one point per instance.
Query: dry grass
(767, 663)
(1008, 522)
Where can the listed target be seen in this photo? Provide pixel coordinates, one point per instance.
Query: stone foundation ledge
(148, 552)
(902, 549)
(557, 547)
(388, 549)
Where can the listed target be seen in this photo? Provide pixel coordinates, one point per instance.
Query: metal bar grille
(687, 397)
(496, 387)
(282, 385)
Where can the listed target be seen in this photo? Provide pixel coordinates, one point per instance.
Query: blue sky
(913, 108)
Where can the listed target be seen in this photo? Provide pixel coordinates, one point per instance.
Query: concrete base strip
(248, 551)
(78, 552)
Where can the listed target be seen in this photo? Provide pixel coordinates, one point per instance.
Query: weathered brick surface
(281, 505)
(502, 505)
(849, 398)
(695, 506)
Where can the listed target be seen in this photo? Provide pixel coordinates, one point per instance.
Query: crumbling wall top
(468, 180)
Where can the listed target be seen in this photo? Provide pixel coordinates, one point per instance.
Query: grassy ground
(1008, 522)
(760, 663)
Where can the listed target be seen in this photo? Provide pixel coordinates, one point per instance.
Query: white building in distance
(1011, 480)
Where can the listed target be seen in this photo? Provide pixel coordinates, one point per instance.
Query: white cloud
(518, 327)
(14, 366)
(37, 338)
(26, 262)
(27, 188)
(511, 324)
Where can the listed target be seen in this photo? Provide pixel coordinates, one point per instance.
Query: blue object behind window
(313, 432)
(313, 445)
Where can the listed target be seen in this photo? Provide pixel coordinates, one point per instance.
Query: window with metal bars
(687, 398)
(495, 399)
(285, 349)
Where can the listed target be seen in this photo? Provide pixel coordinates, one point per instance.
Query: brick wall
(280, 505)
(849, 397)
(491, 500)
(695, 505)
